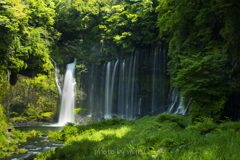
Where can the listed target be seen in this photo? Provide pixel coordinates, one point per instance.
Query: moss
(22, 151)
(76, 110)
(47, 114)
(20, 118)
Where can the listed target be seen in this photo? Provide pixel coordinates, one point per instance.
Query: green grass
(167, 137)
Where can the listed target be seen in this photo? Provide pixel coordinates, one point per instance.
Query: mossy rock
(22, 151)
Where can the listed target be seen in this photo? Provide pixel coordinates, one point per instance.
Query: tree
(27, 34)
(201, 55)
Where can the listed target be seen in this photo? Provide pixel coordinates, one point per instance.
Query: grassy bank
(162, 137)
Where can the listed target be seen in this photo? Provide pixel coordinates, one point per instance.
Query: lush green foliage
(9, 140)
(27, 33)
(96, 30)
(31, 99)
(162, 137)
(203, 38)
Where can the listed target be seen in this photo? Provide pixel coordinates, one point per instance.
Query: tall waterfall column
(107, 114)
(68, 96)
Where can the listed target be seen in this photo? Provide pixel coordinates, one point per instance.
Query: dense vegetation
(27, 34)
(202, 39)
(9, 140)
(167, 137)
(24, 103)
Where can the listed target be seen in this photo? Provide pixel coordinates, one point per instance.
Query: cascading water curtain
(132, 86)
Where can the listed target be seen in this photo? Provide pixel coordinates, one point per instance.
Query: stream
(36, 145)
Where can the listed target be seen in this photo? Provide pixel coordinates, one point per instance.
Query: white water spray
(57, 77)
(107, 93)
(68, 96)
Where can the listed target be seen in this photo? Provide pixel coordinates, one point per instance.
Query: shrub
(3, 141)
(204, 125)
(70, 124)
(179, 119)
(12, 148)
(34, 133)
(2, 154)
(19, 136)
(53, 135)
(229, 125)
(167, 142)
(67, 131)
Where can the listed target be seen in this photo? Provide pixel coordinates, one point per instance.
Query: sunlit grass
(93, 135)
(166, 137)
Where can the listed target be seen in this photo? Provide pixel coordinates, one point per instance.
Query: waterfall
(121, 98)
(176, 102)
(68, 96)
(131, 86)
(107, 93)
(57, 76)
(91, 94)
(173, 98)
(131, 92)
(154, 84)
